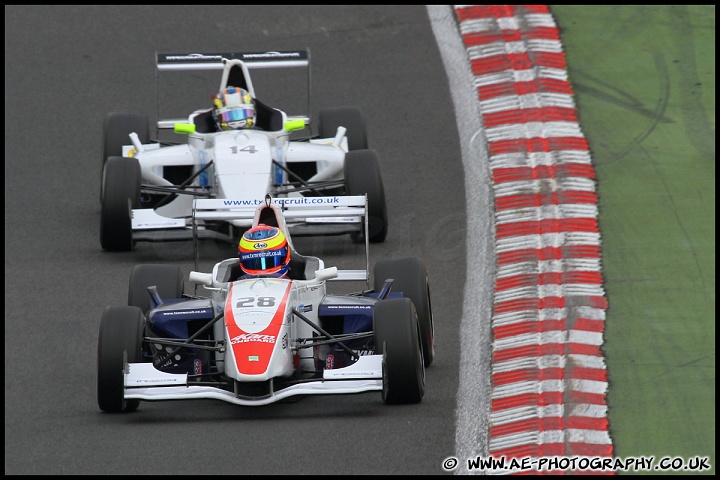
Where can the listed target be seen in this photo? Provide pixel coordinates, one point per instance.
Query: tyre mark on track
(658, 115)
(611, 94)
(699, 128)
(632, 104)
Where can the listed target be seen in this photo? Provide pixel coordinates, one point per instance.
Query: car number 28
(249, 302)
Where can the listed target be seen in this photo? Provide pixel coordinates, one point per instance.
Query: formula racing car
(148, 186)
(256, 341)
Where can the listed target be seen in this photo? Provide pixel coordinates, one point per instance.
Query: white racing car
(148, 186)
(255, 341)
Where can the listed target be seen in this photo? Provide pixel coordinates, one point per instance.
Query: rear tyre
(362, 176)
(168, 279)
(349, 117)
(120, 341)
(121, 187)
(410, 278)
(397, 337)
(116, 132)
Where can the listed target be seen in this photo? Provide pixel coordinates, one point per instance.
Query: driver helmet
(264, 250)
(234, 108)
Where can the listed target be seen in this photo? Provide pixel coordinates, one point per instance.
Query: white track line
(473, 396)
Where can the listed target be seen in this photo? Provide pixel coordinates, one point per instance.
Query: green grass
(644, 78)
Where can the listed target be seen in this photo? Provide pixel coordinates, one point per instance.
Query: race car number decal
(250, 148)
(247, 302)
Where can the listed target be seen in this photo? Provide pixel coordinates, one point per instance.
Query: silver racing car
(148, 185)
(259, 340)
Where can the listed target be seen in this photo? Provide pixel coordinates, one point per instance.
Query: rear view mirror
(184, 128)
(326, 274)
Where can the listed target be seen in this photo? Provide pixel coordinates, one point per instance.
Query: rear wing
(214, 61)
(340, 209)
(237, 75)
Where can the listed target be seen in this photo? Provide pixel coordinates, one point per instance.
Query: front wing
(144, 382)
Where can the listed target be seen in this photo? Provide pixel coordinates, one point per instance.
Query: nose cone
(243, 164)
(254, 315)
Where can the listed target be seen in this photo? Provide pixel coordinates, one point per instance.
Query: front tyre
(121, 193)
(117, 128)
(411, 278)
(119, 342)
(362, 176)
(397, 338)
(349, 117)
(168, 279)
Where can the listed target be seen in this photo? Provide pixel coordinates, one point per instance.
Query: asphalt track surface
(65, 68)
(644, 80)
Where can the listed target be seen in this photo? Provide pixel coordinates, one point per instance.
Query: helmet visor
(258, 262)
(235, 114)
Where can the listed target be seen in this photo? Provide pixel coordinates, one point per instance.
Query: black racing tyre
(117, 128)
(362, 176)
(349, 117)
(410, 277)
(120, 340)
(121, 186)
(397, 338)
(168, 279)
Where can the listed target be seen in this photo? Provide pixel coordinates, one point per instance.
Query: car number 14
(250, 148)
